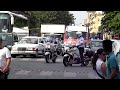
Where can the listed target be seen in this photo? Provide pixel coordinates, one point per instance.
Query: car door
(40, 46)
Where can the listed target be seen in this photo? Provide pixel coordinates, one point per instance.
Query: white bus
(12, 26)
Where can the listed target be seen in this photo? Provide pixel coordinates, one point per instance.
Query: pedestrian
(5, 60)
(112, 61)
(99, 65)
(80, 44)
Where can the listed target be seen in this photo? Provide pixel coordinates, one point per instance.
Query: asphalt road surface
(37, 68)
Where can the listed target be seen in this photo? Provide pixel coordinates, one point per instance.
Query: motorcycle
(50, 52)
(72, 56)
(88, 55)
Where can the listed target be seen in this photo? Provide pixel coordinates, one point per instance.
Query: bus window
(4, 23)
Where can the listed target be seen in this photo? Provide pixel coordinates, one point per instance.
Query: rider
(80, 44)
(51, 38)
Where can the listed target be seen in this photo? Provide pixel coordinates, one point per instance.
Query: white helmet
(79, 33)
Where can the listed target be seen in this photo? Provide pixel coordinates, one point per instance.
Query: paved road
(37, 68)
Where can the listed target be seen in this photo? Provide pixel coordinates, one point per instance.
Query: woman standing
(99, 65)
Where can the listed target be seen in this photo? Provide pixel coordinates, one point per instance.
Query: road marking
(69, 74)
(23, 72)
(46, 73)
(33, 59)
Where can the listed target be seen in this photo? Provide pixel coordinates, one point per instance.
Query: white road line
(46, 73)
(23, 72)
(69, 74)
(29, 59)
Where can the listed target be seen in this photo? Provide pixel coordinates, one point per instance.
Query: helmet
(79, 33)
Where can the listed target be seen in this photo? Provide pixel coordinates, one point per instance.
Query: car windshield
(97, 43)
(71, 34)
(28, 41)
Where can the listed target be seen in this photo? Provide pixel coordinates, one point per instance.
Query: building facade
(94, 20)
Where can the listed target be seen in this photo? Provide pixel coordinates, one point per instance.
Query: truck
(57, 29)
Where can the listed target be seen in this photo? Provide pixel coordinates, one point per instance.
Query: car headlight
(32, 48)
(29, 48)
(14, 49)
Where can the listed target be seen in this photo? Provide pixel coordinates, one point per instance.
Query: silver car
(96, 44)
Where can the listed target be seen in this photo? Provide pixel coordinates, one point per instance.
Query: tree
(111, 22)
(36, 18)
(53, 17)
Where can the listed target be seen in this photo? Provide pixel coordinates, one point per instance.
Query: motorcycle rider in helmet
(80, 45)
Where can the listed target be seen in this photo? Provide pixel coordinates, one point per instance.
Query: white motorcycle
(72, 56)
(50, 52)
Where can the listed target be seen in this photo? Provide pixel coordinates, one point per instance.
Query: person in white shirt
(99, 65)
(80, 44)
(5, 60)
(4, 30)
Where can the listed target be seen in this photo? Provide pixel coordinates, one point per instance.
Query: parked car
(29, 45)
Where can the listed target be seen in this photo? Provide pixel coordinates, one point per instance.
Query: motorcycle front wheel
(47, 57)
(54, 59)
(65, 61)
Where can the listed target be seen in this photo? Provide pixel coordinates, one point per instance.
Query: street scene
(59, 45)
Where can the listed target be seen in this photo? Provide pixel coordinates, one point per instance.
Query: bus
(10, 24)
(70, 34)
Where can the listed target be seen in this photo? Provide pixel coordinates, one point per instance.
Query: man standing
(80, 44)
(5, 60)
(112, 63)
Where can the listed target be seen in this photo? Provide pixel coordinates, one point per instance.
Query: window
(4, 22)
(28, 41)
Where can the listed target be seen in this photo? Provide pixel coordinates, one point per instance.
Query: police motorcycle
(72, 56)
(50, 52)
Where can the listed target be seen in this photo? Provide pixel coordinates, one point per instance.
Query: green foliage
(36, 18)
(111, 21)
